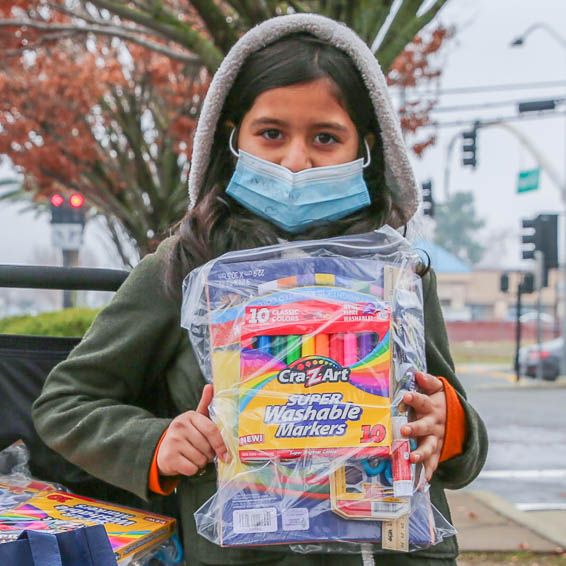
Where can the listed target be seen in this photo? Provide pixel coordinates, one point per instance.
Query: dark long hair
(217, 223)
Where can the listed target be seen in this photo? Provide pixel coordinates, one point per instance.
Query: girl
(295, 93)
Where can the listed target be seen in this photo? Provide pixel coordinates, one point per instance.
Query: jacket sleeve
(460, 470)
(89, 409)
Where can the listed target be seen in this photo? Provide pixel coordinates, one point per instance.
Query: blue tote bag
(88, 546)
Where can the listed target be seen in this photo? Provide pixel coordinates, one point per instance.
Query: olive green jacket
(91, 411)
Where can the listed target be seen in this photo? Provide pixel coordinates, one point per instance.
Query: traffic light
(504, 283)
(530, 238)
(469, 147)
(549, 239)
(544, 238)
(67, 210)
(428, 201)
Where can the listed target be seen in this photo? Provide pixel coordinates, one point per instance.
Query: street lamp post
(517, 42)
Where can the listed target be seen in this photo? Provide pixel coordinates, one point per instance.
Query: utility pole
(67, 225)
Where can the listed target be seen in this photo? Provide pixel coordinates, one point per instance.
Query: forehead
(304, 101)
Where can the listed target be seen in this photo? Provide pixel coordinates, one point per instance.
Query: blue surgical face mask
(297, 201)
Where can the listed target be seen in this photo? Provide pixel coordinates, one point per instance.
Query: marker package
(310, 346)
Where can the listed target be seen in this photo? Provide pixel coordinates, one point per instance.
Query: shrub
(68, 322)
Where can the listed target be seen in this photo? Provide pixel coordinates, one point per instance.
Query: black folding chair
(25, 362)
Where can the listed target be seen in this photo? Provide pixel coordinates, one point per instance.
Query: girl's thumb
(205, 400)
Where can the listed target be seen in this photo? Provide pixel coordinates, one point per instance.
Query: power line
(458, 123)
(480, 106)
(485, 88)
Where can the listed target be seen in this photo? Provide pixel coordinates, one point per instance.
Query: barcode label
(295, 519)
(378, 506)
(255, 520)
(389, 509)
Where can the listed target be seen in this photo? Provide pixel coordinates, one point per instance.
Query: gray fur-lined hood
(398, 172)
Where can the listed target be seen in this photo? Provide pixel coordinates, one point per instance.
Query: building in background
(474, 294)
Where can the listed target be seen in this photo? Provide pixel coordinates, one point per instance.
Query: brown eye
(271, 134)
(325, 139)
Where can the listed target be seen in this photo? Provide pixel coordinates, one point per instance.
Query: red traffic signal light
(76, 200)
(57, 200)
(67, 210)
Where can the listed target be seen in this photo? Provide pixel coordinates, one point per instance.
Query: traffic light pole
(539, 283)
(70, 259)
(563, 365)
(518, 331)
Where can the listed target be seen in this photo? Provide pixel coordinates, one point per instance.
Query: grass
(483, 352)
(514, 558)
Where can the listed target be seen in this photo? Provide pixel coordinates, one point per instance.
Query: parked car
(549, 355)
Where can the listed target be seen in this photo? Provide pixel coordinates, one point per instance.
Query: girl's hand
(191, 441)
(429, 427)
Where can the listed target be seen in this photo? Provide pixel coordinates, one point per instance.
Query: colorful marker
(293, 348)
(308, 344)
(322, 345)
(350, 349)
(365, 344)
(279, 347)
(264, 344)
(337, 348)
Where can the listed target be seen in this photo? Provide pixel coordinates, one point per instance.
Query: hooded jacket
(99, 407)
(398, 172)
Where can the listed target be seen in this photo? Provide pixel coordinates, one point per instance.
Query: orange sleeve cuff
(456, 424)
(163, 485)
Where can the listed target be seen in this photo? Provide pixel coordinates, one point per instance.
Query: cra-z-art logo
(313, 370)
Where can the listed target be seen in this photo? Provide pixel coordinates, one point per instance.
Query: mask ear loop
(366, 163)
(230, 143)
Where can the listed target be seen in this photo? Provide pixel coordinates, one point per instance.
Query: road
(527, 429)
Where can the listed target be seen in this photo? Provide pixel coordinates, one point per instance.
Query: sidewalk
(488, 523)
(502, 376)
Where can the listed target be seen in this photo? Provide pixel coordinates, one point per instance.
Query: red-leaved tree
(102, 97)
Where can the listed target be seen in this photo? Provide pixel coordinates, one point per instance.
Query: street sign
(528, 180)
(68, 236)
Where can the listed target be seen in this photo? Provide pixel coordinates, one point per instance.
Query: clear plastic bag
(311, 346)
(16, 483)
(168, 553)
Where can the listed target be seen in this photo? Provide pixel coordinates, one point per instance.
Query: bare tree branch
(166, 23)
(103, 30)
(216, 23)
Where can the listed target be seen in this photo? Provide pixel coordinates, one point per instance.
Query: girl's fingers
(420, 428)
(428, 383)
(205, 400)
(212, 435)
(421, 403)
(193, 436)
(186, 466)
(190, 454)
(426, 450)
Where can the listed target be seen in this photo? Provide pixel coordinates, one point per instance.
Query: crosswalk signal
(469, 147)
(67, 210)
(428, 201)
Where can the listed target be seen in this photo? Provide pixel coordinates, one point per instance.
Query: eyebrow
(276, 121)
